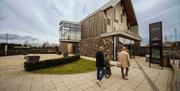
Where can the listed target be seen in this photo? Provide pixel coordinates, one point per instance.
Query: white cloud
(149, 11)
(40, 18)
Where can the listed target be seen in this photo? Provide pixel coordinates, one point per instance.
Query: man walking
(100, 65)
(124, 62)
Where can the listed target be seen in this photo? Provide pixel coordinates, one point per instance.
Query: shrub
(50, 62)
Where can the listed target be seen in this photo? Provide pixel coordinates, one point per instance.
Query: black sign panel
(155, 39)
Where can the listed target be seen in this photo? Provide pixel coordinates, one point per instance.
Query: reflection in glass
(155, 53)
(70, 31)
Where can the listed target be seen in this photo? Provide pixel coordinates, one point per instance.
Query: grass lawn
(79, 66)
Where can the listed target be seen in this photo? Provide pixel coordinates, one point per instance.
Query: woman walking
(124, 62)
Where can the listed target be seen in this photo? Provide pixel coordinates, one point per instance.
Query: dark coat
(99, 59)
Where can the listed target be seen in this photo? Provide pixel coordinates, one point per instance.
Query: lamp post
(175, 34)
(6, 46)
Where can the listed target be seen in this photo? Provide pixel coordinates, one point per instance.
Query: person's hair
(119, 50)
(123, 48)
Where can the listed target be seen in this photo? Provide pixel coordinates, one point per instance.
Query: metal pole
(179, 58)
(175, 34)
(173, 57)
(38, 47)
(6, 46)
(37, 42)
(179, 61)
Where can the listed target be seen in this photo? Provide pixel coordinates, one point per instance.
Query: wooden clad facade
(130, 12)
(93, 26)
(112, 18)
(106, 26)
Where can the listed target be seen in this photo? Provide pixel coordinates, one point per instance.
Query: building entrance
(119, 42)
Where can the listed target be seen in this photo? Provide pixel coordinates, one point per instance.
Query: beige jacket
(123, 59)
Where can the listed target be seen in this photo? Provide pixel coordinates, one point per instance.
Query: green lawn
(79, 66)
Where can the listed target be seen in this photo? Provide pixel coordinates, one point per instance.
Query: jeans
(122, 72)
(100, 73)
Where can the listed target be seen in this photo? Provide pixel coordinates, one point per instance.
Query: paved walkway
(176, 79)
(19, 59)
(141, 78)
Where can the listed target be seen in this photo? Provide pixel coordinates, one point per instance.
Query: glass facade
(126, 41)
(130, 44)
(69, 31)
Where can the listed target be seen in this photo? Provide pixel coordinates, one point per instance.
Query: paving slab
(141, 78)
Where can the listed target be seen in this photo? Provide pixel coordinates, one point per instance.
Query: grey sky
(167, 11)
(40, 18)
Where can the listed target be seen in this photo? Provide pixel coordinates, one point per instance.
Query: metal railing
(176, 68)
(175, 57)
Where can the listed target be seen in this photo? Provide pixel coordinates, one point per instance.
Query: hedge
(50, 62)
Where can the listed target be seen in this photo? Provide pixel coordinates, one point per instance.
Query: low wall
(29, 51)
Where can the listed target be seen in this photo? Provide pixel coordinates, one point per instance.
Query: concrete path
(19, 59)
(141, 78)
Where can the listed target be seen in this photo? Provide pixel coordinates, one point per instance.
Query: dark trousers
(122, 72)
(100, 73)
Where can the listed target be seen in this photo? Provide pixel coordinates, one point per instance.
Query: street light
(6, 46)
(175, 34)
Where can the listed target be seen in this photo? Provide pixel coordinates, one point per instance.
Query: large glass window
(70, 31)
(73, 34)
(62, 34)
(78, 35)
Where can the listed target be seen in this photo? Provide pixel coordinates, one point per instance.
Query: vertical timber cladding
(91, 29)
(90, 46)
(155, 39)
(94, 26)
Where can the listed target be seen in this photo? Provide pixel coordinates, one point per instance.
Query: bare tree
(45, 44)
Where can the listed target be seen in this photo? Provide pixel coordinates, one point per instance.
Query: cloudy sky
(39, 19)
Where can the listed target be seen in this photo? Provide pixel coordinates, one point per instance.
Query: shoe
(98, 82)
(125, 78)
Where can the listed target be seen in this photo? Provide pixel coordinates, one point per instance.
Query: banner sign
(155, 41)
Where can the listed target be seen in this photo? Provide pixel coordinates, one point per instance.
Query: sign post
(155, 41)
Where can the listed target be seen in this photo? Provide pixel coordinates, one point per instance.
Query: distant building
(112, 26)
(70, 36)
(167, 44)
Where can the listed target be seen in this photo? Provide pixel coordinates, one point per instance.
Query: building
(111, 26)
(70, 36)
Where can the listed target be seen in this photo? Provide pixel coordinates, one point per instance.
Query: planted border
(50, 62)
